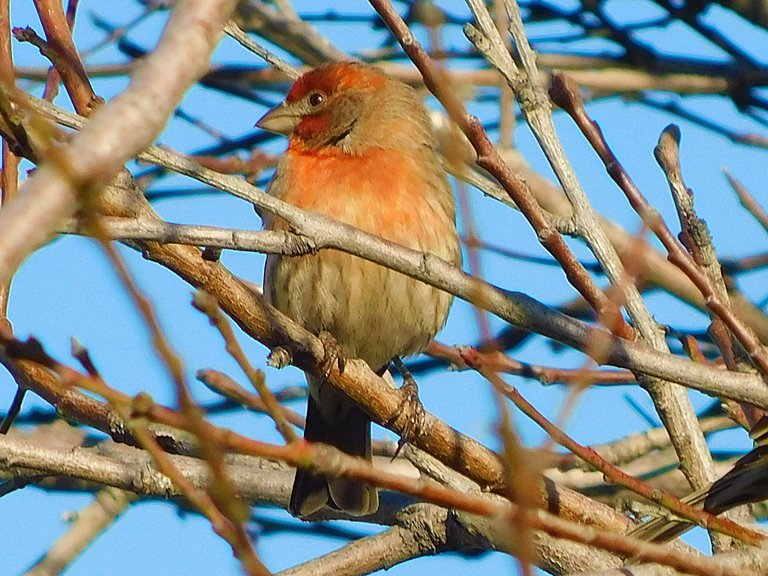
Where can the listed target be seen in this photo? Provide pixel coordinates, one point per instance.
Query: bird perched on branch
(361, 151)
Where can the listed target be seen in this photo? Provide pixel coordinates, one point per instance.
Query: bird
(745, 483)
(361, 151)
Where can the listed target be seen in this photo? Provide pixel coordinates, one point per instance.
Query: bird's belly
(373, 312)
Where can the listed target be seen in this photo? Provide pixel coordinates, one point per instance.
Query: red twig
(497, 361)
(63, 54)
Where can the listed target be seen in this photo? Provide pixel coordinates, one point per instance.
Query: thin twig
(270, 58)
(89, 524)
(233, 532)
(208, 306)
(748, 200)
(224, 385)
(63, 54)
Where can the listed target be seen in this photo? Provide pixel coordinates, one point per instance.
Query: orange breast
(394, 195)
(373, 312)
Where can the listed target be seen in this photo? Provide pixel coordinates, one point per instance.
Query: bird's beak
(280, 119)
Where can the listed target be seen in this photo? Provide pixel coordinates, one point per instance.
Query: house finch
(745, 483)
(361, 151)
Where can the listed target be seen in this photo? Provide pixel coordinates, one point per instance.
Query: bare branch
(117, 132)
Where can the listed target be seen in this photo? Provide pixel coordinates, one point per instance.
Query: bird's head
(350, 107)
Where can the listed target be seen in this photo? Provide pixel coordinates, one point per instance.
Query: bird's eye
(316, 98)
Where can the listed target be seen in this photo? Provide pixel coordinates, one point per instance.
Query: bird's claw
(415, 412)
(279, 357)
(333, 354)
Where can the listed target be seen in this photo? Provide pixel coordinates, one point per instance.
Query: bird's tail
(745, 483)
(667, 528)
(351, 434)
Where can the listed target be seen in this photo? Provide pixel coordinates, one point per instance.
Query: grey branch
(267, 241)
(131, 469)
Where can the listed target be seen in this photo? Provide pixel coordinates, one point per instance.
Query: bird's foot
(411, 404)
(279, 357)
(333, 354)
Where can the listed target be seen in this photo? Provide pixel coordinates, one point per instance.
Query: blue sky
(66, 289)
